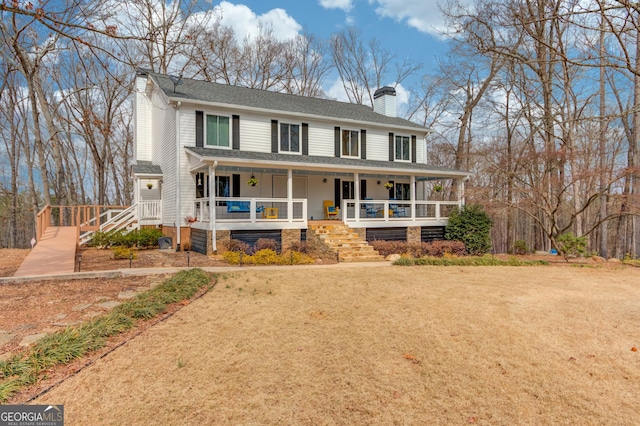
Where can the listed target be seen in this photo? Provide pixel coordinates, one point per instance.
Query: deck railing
(84, 217)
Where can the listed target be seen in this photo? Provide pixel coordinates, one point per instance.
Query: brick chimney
(384, 101)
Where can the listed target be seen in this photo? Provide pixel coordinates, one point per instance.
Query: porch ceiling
(316, 163)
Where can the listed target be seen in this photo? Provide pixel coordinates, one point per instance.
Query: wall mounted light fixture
(324, 180)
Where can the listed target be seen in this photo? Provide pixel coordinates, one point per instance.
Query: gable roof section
(146, 168)
(321, 163)
(216, 93)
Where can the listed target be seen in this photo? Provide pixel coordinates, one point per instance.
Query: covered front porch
(277, 191)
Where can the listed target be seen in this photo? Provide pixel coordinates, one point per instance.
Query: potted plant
(388, 185)
(253, 181)
(149, 185)
(190, 219)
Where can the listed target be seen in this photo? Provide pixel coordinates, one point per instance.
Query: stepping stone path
(109, 305)
(6, 337)
(80, 308)
(127, 294)
(28, 340)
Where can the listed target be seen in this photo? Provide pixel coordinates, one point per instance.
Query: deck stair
(126, 220)
(346, 243)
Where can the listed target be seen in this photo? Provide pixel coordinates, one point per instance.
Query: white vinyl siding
(164, 154)
(255, 133)
(321, 140)
(142, 111)
(377, 146)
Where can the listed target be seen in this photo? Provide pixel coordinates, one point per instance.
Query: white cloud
(336, 91)
(423, 15)
(246, 23)
(345, 5)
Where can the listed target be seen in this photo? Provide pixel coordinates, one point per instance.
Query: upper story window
(403, 148)
(217, 131)
(350, 143)
(289, 137)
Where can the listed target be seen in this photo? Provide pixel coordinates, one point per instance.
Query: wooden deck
(55, 253)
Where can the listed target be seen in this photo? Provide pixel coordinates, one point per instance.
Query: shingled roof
(323, 162)
(205, 91)
(146, 168)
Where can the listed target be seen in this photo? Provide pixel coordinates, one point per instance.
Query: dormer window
(217, 131)
(403, 148)
(350, 143)
(289, 137)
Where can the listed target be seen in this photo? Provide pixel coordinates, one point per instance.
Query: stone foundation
(414, 235)
(222, 237)
(289, 237)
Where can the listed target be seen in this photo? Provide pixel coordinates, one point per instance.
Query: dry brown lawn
(380, 345)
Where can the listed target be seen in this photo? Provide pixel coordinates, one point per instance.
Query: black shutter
(391, 147)
(337, 192)
(337, 140)
(235, 185)
(363, 144)
(414, 148)
(274, 136)
(363, 189)
(236, 131)
(199, 129)
(305, 139)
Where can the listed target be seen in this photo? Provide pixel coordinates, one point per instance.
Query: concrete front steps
(348, 245)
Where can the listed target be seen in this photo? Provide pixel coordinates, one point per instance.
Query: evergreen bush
(471, 226)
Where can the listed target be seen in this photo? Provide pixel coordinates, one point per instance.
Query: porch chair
(395, 210)
(370, 209)
(330, 211)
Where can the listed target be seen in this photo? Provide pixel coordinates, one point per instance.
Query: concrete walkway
(54, 254)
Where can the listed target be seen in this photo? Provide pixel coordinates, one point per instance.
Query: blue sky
(405, 27)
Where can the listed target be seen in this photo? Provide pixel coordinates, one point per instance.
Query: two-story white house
(200, 147)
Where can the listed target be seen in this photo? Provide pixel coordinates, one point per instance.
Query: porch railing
(149, 210)
(397, 210)
(84, 217)
(251, 210)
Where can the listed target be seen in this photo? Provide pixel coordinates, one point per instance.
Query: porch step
(346, 243)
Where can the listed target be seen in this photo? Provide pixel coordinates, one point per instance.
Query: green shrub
(148, 237)
(569, 245)
(141, 238)
(471, 226)
(520, 247)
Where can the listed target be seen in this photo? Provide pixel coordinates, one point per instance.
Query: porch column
(290, 195)
(461, 191)
(412, 196)
(212, 206)
(356, 194)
